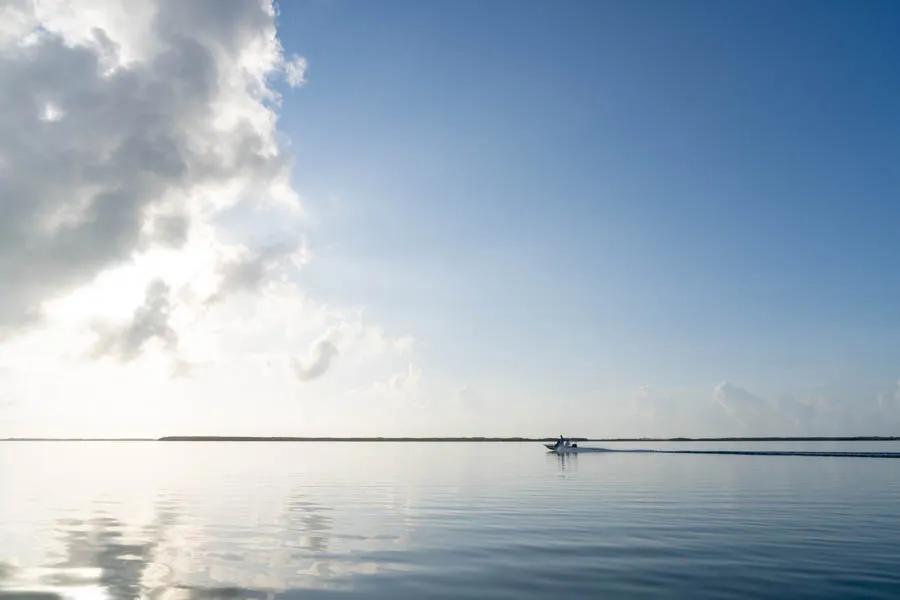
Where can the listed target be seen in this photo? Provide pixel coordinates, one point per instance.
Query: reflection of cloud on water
(179, 555)
(100, 543)
(12, 588)
(98, 559)
(299, 549)
(217, 593)
(311, 521)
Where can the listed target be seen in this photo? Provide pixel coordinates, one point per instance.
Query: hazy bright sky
(473, 218)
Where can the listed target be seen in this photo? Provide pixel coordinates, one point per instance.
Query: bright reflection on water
(255, 520)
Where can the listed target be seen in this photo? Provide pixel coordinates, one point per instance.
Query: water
(461, 520)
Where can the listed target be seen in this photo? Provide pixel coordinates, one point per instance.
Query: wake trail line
(751, 452)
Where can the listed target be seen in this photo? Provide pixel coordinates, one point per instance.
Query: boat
(562, 446)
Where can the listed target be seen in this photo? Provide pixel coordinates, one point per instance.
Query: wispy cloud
(250, 269)
(149, 321)
(295, 71)
(320, 356)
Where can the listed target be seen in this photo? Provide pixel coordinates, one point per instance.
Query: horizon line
(244, 438)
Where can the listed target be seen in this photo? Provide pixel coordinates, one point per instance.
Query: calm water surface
(503, 520)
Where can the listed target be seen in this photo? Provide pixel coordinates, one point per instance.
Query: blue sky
(666, 194)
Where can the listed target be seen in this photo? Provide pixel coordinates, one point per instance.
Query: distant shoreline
(229, 438)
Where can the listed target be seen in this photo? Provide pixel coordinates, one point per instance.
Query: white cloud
(321, 352)
(754, 415)
(295, 71)
(107, 118)
(248, 270)
(405, 380)
(143, 188)
(51, 113)
(732, 410)
(150, 321)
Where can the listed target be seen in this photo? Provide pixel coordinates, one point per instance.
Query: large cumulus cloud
(111, 127)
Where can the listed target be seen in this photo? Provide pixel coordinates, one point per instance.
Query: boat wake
(581, 450)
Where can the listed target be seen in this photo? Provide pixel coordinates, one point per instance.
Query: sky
(511, 218)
